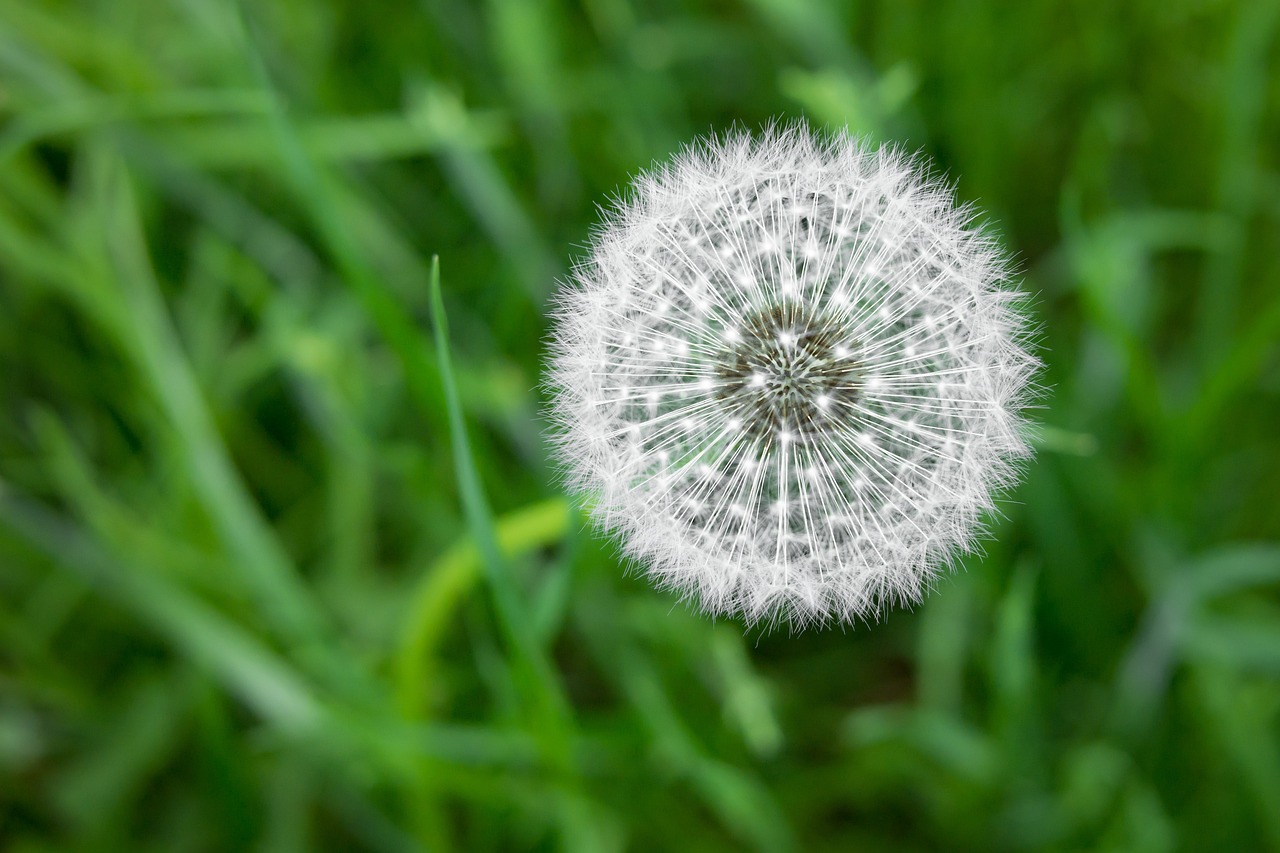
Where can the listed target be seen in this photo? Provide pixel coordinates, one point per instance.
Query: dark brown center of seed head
(788, 372)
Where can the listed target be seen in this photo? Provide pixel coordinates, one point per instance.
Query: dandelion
(789, 375)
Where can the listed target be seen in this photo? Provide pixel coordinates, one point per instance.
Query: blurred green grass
(255, 593)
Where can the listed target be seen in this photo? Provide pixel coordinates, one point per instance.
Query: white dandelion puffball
(789, 376)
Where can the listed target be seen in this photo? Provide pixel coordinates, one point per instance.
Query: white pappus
(789, 376)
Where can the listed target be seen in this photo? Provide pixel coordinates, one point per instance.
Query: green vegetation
(283, 567)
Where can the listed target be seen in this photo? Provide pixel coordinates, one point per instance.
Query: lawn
(285, 562)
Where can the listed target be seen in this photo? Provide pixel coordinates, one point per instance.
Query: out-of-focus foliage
(257, 593)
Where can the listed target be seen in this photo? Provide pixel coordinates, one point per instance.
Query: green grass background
(282, 569)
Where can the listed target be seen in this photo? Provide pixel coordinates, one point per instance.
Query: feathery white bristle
(790, 376)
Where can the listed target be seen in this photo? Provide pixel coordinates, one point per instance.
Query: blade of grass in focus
(548, 709)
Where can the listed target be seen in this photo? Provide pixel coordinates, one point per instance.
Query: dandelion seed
(857, 365)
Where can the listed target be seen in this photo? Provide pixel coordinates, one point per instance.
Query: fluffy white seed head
(789, 375)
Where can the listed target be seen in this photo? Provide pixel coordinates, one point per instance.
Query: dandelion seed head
(790, 375)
